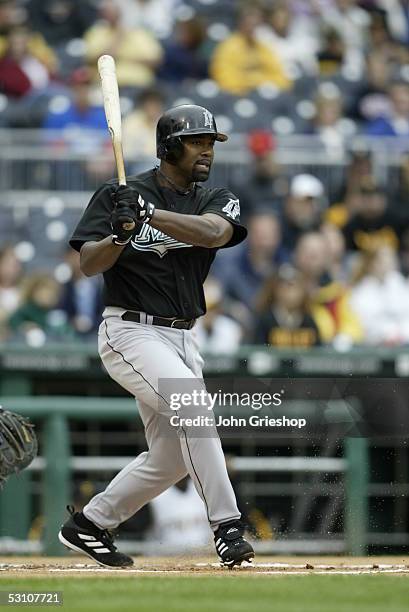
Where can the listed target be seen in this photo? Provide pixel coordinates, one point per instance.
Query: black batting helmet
(183, 120)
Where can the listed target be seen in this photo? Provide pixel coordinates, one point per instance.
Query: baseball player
(154, 241)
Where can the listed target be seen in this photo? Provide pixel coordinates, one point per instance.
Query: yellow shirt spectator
(35, 46)
(240, 65)
(136, 53)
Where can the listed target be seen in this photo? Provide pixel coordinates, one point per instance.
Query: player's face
(198, 153)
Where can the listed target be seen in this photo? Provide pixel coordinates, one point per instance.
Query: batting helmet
(183, 120)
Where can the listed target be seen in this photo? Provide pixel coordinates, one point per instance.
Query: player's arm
(97, 257)
(208, 230)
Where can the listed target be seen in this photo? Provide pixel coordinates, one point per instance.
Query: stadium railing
(45, 160)
(58, 465)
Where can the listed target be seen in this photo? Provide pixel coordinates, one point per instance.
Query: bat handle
(119, 159)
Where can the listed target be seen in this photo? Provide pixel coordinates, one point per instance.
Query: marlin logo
(232, 208)
(232, 530)
(151, 239)
(208, 118)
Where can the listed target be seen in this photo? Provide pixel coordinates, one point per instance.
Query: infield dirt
(30, 567)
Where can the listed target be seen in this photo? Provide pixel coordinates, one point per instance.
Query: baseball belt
(142, 317)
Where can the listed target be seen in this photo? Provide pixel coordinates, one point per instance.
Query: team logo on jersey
(151, 239)
(208, 118)
(232, 208)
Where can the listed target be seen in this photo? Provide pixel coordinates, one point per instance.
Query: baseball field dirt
(73, 565)
(198, 584)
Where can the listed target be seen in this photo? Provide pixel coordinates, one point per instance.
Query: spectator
(327, 122)
(294, 46)
(139, 127)
(397, 15)
(284, 319)
(60, 21)
(380, 297)
(136, 51)
(241, 63)
(310, 257)
(400, 195)
(372, 99)
(302, 209)
(37, 317)
(11, 15)
(337, 260)
(349, 20)
(396, 121)
(266, 187)
(10, 275)
(243, 270)
(373, 225)
(347, 201)
(186, 54)
(79, 126)
(215, 331)
(332, 55)
(27, 63)
(329, 299)
(380, 38)
(156, 16)
(80, 113)
(80, 298)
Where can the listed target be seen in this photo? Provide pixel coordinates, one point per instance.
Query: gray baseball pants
(138, 356)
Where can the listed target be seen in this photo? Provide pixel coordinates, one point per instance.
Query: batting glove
(129, 196)
(130, 209)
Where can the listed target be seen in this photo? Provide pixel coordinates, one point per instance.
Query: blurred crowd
(309, 274)
(260, 50)
(324, 264)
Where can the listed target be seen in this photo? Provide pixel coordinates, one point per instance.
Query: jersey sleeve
(225, 204)
(95, 223)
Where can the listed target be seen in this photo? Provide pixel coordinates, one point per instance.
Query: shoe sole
(246, 557)
(83, 552)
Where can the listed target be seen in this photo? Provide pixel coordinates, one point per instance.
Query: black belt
(142, 317)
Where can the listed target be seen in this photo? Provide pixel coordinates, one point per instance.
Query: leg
(137, 356)
(142, 479)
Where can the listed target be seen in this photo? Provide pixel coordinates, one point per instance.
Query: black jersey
(155, 273)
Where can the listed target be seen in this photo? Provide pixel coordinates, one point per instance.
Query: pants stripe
(166, 402)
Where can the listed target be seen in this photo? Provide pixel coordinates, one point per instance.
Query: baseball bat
(110, 92)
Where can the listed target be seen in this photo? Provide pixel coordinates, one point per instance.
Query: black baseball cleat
(231, 547)
(97, 543)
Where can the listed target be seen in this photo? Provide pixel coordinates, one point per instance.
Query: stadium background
(315, 98)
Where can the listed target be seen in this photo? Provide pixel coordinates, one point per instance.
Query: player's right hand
(125, 194)
(123, 220)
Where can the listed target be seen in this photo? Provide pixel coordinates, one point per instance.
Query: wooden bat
(109, 84)
(110, 93)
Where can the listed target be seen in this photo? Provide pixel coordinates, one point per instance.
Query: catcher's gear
(18, 443)
(183, 120)
(129, 210)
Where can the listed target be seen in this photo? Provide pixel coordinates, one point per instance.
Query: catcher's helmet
(183, 120)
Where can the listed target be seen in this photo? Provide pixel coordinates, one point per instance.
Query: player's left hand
(126, 196)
